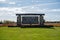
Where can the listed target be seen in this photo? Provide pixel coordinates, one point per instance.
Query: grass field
(17, 33)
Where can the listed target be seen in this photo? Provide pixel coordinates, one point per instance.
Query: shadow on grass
(44, 26)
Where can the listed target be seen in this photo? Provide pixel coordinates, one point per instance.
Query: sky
(9, 8)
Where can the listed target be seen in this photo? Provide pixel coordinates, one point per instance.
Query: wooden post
(19, 20)
(41, 20)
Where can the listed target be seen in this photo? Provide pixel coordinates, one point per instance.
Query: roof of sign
(30, 14)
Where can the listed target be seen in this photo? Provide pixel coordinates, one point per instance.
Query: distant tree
(1, 22)
(7, 21)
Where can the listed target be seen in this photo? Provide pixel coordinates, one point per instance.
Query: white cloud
(7, 2)
(44, 4)
(12, 3)
(2, 0)
(38, 10)
(14, 10)
(10, 11)
(6, 11)
(55, 10)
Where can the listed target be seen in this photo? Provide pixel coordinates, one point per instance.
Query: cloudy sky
(9, 8)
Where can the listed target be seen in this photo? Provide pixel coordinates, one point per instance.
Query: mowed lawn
(17, 33)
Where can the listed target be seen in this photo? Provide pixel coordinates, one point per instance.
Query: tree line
(7, 22)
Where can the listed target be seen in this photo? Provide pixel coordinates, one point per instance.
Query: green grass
(17, 33)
